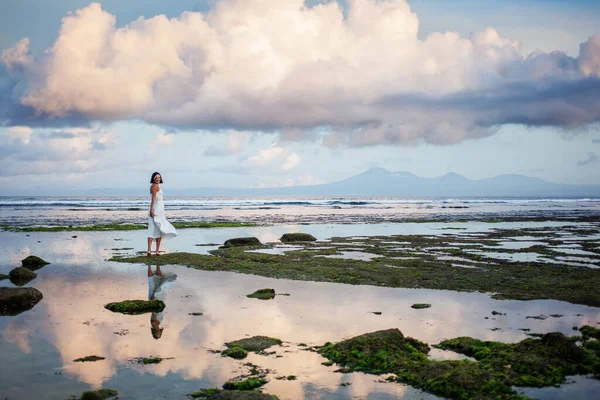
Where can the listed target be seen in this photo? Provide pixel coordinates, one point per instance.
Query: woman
(158, 226)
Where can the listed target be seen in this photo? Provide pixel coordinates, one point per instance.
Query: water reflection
(71, 322)
(158, 282)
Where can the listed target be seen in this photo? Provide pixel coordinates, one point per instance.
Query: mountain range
(381, 182)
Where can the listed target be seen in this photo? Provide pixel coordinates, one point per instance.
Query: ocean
(60, 211)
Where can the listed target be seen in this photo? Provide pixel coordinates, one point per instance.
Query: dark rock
(420, 305)
(497, 313)
(254, 343)
(297, 237)
(100, 394)
(239, 395)
(33, 263)
(136, 306)
(243, 241)
(196, 313)
(20, 281)
(14, 301)
(263, 294)
(540, 317)
(22, 273)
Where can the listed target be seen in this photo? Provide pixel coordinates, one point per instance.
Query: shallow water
(38, 347)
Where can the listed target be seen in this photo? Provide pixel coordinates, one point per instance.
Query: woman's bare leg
(149, 245)
(158, 246)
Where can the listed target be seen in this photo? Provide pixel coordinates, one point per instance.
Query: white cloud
(17, 58)
(291, 161)
(265, 156)
(234, 145)
(257, 64)
(162, 139)
(71, 150)
(23, 133)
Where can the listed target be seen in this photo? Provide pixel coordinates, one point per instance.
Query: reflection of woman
(157, 283)
(158, 226)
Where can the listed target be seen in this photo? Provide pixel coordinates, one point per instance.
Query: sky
(267, 93)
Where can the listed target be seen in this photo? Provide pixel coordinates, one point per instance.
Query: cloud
(22, 133)
(591, 158)
(291, 161)
(363, 76)
(235, 142)
(24, 151)
(265, 156)
(162, 139)
(274, 158)
(595, 140)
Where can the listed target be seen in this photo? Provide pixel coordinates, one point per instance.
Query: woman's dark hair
(153, 175)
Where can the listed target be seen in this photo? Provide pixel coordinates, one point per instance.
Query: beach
(423, 241)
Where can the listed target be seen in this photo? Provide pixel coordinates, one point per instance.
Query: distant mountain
(381, 182)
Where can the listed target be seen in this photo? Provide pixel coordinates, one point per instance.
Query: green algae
(519, 281)
(255, 343)
(126, 227)
(204, 393)
(136, 306)
(89, 359)
(376, 352)
(498, 369)
(235, 352)
(262, 294)
(590, 331)
(246, 384)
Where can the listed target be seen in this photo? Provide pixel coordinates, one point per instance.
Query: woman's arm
(153, 190)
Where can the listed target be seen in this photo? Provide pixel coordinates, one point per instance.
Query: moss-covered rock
(499, 366)
(235, 352)
(14, 301)
(590, 331)
(89, 359)
(246, 384)
(255, 343)
(262, 294)
(149, 360)
(136, 306)
(33, 263)
(242, 241)
(376, 352)
(297, 237)
(100, 394)
(533, 362)
(240, 395)
(204, 393)
(419, 306)
(22, 273)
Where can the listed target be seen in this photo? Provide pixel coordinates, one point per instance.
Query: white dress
(159, 226)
